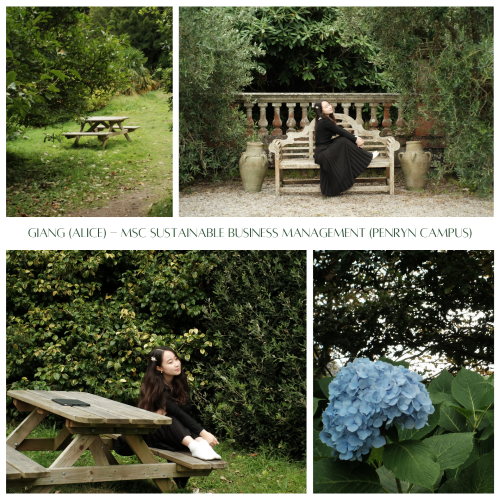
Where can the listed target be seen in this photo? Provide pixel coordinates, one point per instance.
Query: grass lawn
(247, 472)
(50, 179)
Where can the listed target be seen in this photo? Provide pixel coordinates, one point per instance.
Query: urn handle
(413, 156)
(400, 155)
(429, 154)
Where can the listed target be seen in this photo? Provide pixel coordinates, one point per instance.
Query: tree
(417, 303)
(215, 63)
(441, 60)
(55, 63)
(303, 53)
(142, 29)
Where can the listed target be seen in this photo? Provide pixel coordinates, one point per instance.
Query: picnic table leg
(145, 455)
(25, 427)
(78, 137)
(101, 454)
(68, 457)
(126, 135)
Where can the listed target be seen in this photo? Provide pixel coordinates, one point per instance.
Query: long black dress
(340, 159)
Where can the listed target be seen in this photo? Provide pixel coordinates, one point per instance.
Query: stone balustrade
(292, 100)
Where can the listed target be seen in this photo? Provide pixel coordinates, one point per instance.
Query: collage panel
(324, 112)
(403, 371)
(156, 371)
(89, 112)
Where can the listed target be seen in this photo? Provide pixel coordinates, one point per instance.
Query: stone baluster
(345, 107)
(290, 123)
(263, 120)
(387, 122)
(305, 120)
(401, 124)
(359, 115)
(277, 120)
(373, 119)
(249, 106)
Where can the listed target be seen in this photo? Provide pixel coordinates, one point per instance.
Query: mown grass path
(52, 179)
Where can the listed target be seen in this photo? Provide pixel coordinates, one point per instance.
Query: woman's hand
(360, 142)
(161, 412)
(210, 438)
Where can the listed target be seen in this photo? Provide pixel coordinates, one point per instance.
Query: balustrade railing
(292, 100)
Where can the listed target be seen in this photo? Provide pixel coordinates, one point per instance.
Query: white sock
(206, 445)
(199, 450)
(375, 154)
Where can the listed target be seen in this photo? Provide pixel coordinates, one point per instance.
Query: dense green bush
(85, 320)
(215, 63)
(257, 379)
(440, 59)
(303, 53)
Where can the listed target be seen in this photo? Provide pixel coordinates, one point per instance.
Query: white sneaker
(375, 155)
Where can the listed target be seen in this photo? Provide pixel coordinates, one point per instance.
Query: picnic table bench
(297, 152)
(113, 124)
(95, 428)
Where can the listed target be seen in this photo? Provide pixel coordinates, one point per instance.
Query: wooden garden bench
(296, 152)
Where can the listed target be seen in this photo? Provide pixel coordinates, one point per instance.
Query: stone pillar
(290, 123)
(263, 120)
(359, 115)
(401, 124)
(277, 120)
(305, 108)
(373, 119)
(345, 107)
(249, 106)
(386, 122)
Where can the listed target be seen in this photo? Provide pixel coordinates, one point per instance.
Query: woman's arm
(174, 411)
(336, 130)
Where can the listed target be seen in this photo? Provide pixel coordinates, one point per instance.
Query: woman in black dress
(164, 390)
(342, 159)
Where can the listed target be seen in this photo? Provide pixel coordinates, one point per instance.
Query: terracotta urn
(415, 164)
(253, 167)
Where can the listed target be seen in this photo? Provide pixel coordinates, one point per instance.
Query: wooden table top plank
(110, 417)
(25, 465)
(92, 119)
(12, 472)
(131, 411)
(43, 399)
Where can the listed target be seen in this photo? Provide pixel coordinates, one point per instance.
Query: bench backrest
(301, 144)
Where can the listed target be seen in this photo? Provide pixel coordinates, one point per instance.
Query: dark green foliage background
(85, 320)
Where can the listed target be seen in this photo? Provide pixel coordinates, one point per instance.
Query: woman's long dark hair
(318, 110)
(154, 390)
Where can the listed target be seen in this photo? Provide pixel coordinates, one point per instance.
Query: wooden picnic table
(83, 429)
(98, 124)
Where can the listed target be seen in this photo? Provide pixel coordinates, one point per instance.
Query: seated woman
(164, 390)
(342, 159)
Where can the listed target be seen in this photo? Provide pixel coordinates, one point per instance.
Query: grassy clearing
(258, 472)
(50, 179)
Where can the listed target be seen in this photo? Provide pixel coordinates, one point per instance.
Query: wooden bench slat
(180, 458)
(12, 473)
(75, 134)
(27, 467)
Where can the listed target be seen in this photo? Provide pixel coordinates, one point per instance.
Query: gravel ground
(228, 199)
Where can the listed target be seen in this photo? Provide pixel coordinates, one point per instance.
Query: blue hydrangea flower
(363, 396)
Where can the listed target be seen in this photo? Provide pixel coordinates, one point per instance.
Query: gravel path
(229, 200)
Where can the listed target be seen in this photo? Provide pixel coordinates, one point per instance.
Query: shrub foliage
(85, 320)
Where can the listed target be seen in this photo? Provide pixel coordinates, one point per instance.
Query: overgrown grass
(162, 208)
(47, 179)
(247, 472)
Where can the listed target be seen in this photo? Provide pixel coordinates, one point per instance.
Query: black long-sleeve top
(325, 129)
(181, 412)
